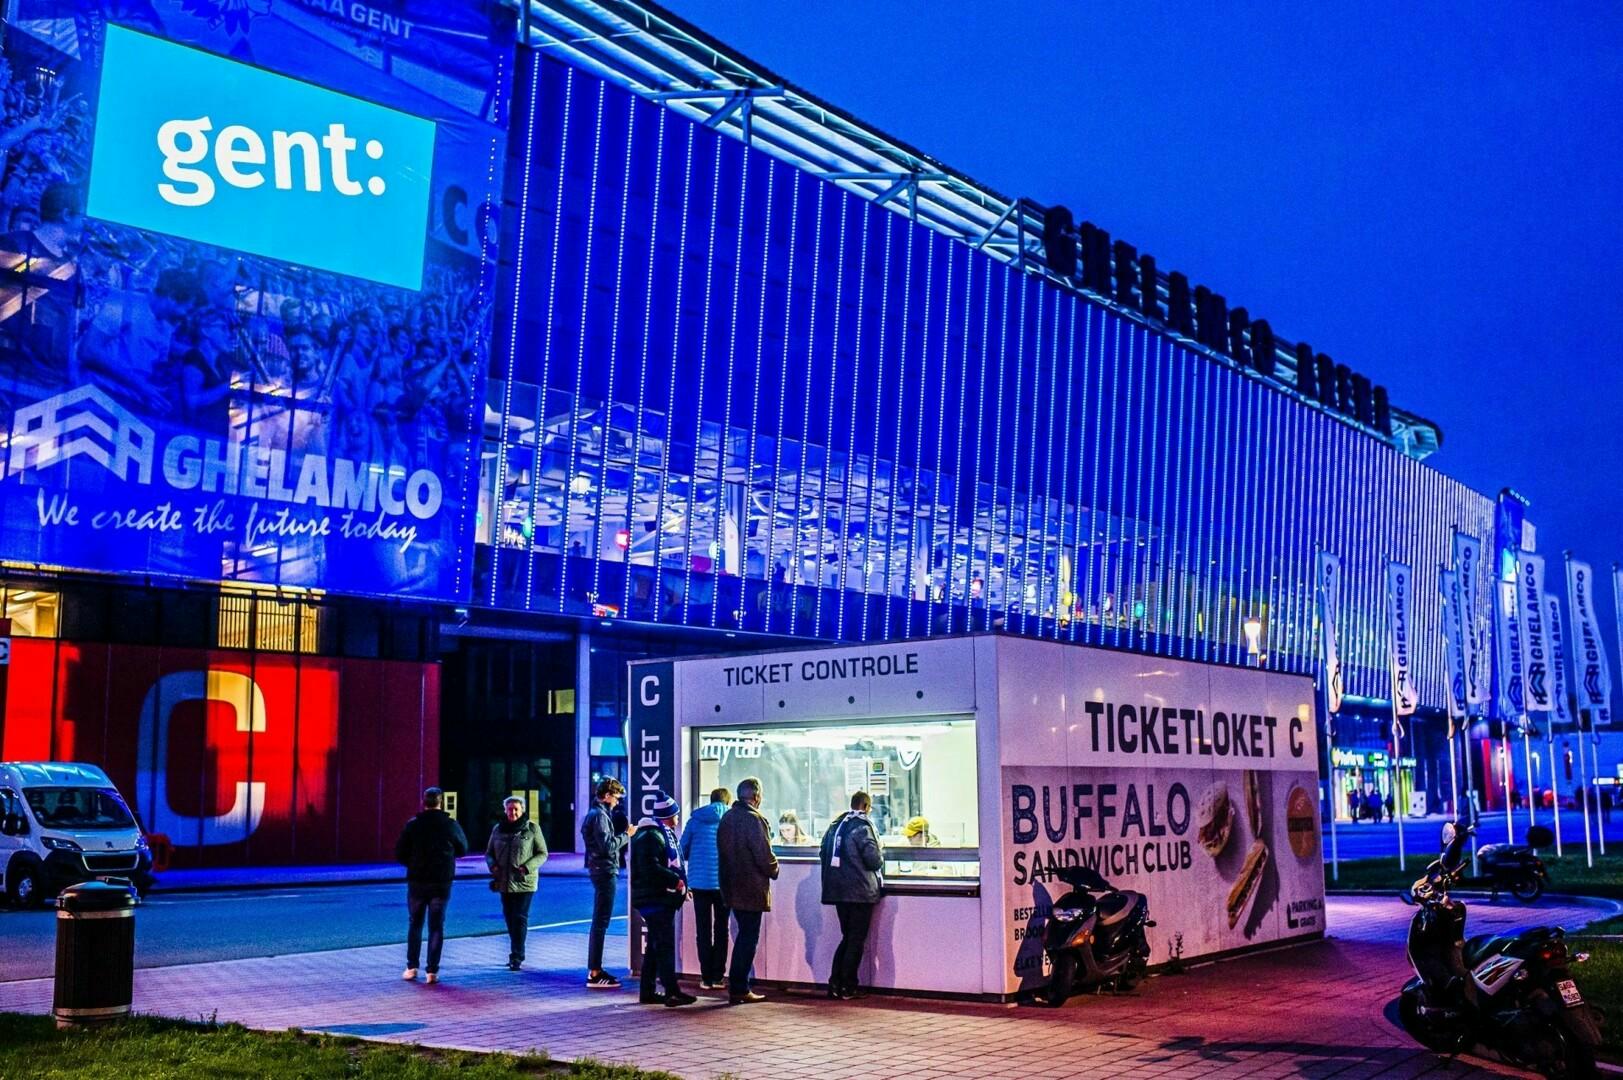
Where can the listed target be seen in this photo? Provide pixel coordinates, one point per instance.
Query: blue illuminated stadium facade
(736, 396)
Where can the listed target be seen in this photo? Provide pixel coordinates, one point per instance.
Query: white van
(62, 823)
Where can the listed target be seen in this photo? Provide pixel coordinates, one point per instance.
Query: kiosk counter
(992, 761)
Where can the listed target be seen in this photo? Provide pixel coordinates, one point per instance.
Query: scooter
(1512, 868)
(1094, 936)
(1512, 995)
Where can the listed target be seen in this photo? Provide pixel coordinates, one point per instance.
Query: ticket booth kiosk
(992, 761)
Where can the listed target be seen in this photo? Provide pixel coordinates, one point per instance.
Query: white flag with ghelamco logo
(1328, 572)
(1537, 686)
(1590, 667)
(1400, 636)
(1473, 642)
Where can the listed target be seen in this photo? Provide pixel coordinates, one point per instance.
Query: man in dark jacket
(603, 845)
(429, 847)
(851, 882)
(747, 870)
(658, 888)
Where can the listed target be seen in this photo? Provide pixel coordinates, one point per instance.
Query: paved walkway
(1317, 1011)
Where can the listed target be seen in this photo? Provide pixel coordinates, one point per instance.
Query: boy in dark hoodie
(658, 889)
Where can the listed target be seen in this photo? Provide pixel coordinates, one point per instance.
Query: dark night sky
(1434, 198)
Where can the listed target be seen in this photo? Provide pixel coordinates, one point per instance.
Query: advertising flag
(1590, 668)
(1473, 646)
(1400, 635)
(1507, 647)
(1560, 694)
(1617, 610)
(1329, 581)
(1448, 584)
(1530, 613)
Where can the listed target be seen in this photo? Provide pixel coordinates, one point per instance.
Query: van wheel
(23, 885)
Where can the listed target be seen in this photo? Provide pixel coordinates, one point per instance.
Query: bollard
(95, 953)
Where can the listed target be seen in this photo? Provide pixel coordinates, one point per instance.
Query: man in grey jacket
(747, 870)
(851, 882)
(603, 845)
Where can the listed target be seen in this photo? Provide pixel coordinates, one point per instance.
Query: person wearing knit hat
(658, 889)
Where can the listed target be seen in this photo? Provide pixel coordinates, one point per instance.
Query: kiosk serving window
(920, 774)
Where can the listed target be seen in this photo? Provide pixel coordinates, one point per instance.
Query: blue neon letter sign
(194, 145)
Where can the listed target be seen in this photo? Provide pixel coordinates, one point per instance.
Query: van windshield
(78, 808)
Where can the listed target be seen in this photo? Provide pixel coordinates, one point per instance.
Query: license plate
(1569, 992)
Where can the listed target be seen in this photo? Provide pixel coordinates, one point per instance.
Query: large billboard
(250, 255)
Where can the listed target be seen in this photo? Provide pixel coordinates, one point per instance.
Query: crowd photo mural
(250, 251)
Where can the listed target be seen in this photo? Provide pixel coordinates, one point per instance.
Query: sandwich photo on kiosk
(1215, 817)
(1244, 890)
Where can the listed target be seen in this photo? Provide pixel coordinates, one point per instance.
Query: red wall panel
(239, 758)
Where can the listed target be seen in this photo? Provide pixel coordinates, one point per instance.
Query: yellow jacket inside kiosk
(993, 760)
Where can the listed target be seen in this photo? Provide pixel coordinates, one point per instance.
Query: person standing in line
(747, 870)
(603, 845)
(709, 912)
(428, 848)
(658, 889)
(515, 852)
(851, 882)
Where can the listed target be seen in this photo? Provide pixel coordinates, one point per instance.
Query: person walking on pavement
(428, 848)
(603, 845)
(851, 882)
(658, 889)
(515, 852)
(747, 869)
(709, 912)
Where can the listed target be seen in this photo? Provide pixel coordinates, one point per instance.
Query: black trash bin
(95, 953)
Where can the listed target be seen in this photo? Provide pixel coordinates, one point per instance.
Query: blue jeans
(745, 938)
(603, 889)
(429, 903)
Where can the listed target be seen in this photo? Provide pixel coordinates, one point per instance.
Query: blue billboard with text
(253, 255)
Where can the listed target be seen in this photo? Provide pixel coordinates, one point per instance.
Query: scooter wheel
(1059, 988)
(1527, 890)
(1416, 1025)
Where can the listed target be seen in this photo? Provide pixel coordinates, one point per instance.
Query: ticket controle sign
(245, 343)
(1202, 794)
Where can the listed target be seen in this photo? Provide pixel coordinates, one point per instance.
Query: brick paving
(1319, 1012)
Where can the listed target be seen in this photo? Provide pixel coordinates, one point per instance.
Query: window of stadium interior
(920, 775)
(250, 619)
(33, 613)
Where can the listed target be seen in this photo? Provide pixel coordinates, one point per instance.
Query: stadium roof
(648, 50)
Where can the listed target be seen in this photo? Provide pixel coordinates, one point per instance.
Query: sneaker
(602, 980)
(409, 974)
(678, 998)
(748, 997)
(515, 965)
(650, 999)
(433, 977)
(716, 985)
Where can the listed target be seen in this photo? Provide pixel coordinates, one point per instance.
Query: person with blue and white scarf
(658, 889)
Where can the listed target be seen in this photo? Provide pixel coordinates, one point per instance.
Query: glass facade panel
(824, 420)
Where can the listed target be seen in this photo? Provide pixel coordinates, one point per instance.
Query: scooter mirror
(1448, 834)
(1454, 846)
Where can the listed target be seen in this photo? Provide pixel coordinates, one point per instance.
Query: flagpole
(1453, 774)
(1532, 788)
(1600, 819)
(1330, 785)
(1510, 766)
(1397, 753)
(1555, 786)
(1583, 788)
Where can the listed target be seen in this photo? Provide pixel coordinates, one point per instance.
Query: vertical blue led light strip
(778, 439)
(612, 362)
(1139, 435)
(499, 502)
(1032, 543)
(580, 353)
(1184, 432)
(1098, 548)
(865, 211)
(823, 517)
(799, 552)
(661, 503)
(873, 459)
(938, 481)
(899, 351)
(1086, 421)
(741, 572)
(1244, 583)
(546, 344)
(755, 405)
(698, 429)
(1010, 585)
(1155, 542)
(642, 362)
(959, 468)
(916, 532)
(1066, 541)
(975, 476)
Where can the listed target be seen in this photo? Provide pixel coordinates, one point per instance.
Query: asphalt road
(189, 928)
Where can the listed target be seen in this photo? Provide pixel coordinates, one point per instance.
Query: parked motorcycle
(1513, 868)
(1094, 936)
(1512, 995)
